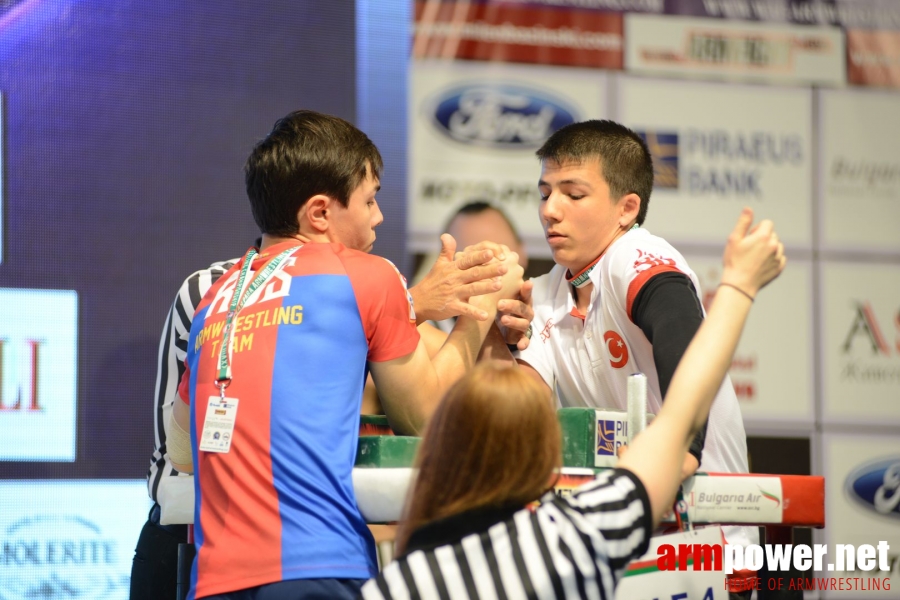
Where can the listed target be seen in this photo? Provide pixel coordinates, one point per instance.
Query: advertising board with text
(38, 366)
(496, 31)
(861, 343)
(772, 370)
(64, 539)
(873, 57)
(717, 148)
(860, 169)
(862, 503)
(734, 50)
(474, 128)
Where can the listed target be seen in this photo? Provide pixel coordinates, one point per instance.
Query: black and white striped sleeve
(573, 547)
(170, 364)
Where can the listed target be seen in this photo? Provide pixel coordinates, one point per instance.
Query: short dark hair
(625, 161)
(476, 207)
(305, 154)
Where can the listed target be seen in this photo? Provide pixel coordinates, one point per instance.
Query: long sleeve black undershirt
(668, 312)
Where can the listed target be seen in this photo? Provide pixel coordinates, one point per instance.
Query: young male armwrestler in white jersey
(619, 299)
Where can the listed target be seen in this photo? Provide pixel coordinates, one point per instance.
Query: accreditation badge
(218, 426)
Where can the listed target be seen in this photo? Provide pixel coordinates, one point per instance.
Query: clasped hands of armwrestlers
(486, 268)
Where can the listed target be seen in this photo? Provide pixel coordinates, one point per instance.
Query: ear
(629, 206)
(313, 216)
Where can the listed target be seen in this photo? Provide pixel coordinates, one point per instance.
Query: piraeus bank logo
(505, 116)
(876, 486)
(38, 366)
(718, 162)
(663, 146)
(611, 433)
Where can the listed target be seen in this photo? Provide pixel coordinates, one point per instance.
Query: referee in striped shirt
(493, 443)
(154, 567)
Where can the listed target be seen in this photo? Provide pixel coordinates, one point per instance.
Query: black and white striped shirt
(574, 547)
(170, 366)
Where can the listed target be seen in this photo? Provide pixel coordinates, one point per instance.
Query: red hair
(493, 441)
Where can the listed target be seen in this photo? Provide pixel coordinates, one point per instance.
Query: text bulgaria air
(500, 116)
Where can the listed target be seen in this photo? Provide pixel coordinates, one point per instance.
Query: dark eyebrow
(567, 182)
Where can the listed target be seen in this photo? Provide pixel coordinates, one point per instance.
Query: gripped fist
(454, 278)
(511, 282)
(753, 257)
(514, 317)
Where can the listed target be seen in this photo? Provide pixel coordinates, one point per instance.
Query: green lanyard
(237, 303)
(584, 277)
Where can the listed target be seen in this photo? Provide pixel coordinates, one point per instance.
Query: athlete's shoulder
(361, 265)
(639, 250)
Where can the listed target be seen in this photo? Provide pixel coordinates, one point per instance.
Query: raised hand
(753, 257)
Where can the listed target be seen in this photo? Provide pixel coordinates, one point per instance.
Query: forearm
(460, 351)
(411, 387)
(496, 348)
(657, 456)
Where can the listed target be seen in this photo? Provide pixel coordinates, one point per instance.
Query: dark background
(126, 126)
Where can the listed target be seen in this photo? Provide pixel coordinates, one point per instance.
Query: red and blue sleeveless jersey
(280, 504)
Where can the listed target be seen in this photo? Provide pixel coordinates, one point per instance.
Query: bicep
(669, 313)
(433, 337)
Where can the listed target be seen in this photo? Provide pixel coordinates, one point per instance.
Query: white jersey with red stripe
(587, 362)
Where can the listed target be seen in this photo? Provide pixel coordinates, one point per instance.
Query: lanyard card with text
(218, 426)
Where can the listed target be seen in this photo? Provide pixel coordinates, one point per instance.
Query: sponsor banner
(863, 14)
(737, 499)
(873, 57)
(38, 364)
(717, 148)
(860, 169)
(861, 343)
(651, 6)
(710, 48)
(874, 14)
(63, 539)
(474, 129)
(509, 33)
(862, 473)
(772, 369)
(612, 432)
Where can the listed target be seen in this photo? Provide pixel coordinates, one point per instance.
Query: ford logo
(876, 485)
(500, 116)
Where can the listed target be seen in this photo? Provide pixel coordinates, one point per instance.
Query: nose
(377, 217)
(550, 209)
